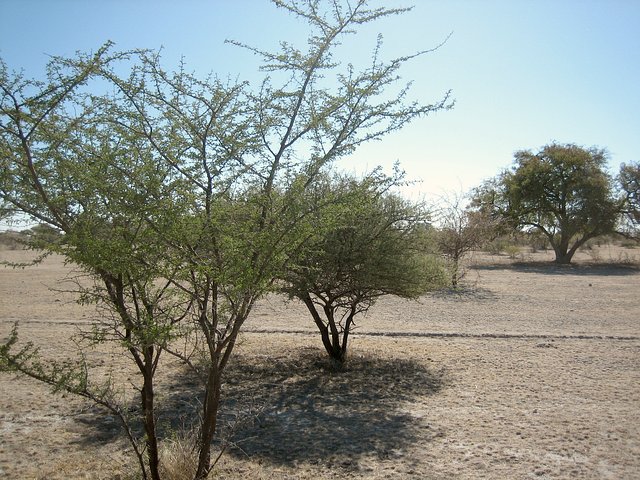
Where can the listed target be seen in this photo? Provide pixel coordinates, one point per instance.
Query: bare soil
(530, 371)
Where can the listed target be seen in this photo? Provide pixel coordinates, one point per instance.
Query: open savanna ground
(530, 371)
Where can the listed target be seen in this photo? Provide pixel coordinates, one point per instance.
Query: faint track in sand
(516, 336)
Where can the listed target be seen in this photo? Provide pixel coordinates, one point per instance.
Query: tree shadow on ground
(293, 407)
(549, 268)
(463, 292)
(177, 407)
(313, 413)
(96, 426)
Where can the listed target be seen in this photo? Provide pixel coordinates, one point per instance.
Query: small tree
(460, 231)
(563, 191)
(367, 244)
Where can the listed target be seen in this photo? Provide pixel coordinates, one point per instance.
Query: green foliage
(629, 180)
(66, 375)
(9, 359)
(563, 191)
(365, 244)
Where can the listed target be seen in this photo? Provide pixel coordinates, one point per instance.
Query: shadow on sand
(295, 406)
(463, 292)
(549, 268)
(311, 412)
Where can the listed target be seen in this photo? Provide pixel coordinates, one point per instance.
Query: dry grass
(177, 457)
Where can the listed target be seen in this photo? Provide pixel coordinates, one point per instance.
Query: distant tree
(5, 211)
(460, 231)
(629, 180)
(45, 235)
(366, 244)
(563, 191)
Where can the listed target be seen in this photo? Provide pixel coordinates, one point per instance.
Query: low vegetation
(367, 244)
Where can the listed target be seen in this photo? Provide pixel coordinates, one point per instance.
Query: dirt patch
(531, 371)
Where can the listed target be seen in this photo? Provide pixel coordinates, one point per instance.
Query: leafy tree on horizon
(629, 179)
(563, 191)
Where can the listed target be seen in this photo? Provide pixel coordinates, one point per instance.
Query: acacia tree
(64, 167)
(629, 180)
(367, 243)
(175, 193)
(563, 191)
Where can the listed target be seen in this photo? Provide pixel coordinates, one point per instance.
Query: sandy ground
(532, 371)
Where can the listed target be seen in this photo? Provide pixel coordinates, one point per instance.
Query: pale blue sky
(523, 73)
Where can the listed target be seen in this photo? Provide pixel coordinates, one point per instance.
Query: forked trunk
(455, 272)
(333, 341)
(564, 254)
(332, 346)
(338, 354)
(561, 249)
(563, 258)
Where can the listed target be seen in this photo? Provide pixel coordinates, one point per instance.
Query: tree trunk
(454, 274)
(209, 421)
(563, 258)
(327, 342)
(332, 347)
(564, 254)
(338, 355)
(345, 334)
(148, 409)
(329, 332)
(561, 249)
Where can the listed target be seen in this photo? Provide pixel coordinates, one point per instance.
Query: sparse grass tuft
(513, 251)
(178, 457)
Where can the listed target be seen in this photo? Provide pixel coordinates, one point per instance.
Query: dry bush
(629, 243)
(177, 457)
(626, 258)
(178, 461)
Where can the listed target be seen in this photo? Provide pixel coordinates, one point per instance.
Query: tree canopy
(629, 179)
(563, 191)
(366, 243)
